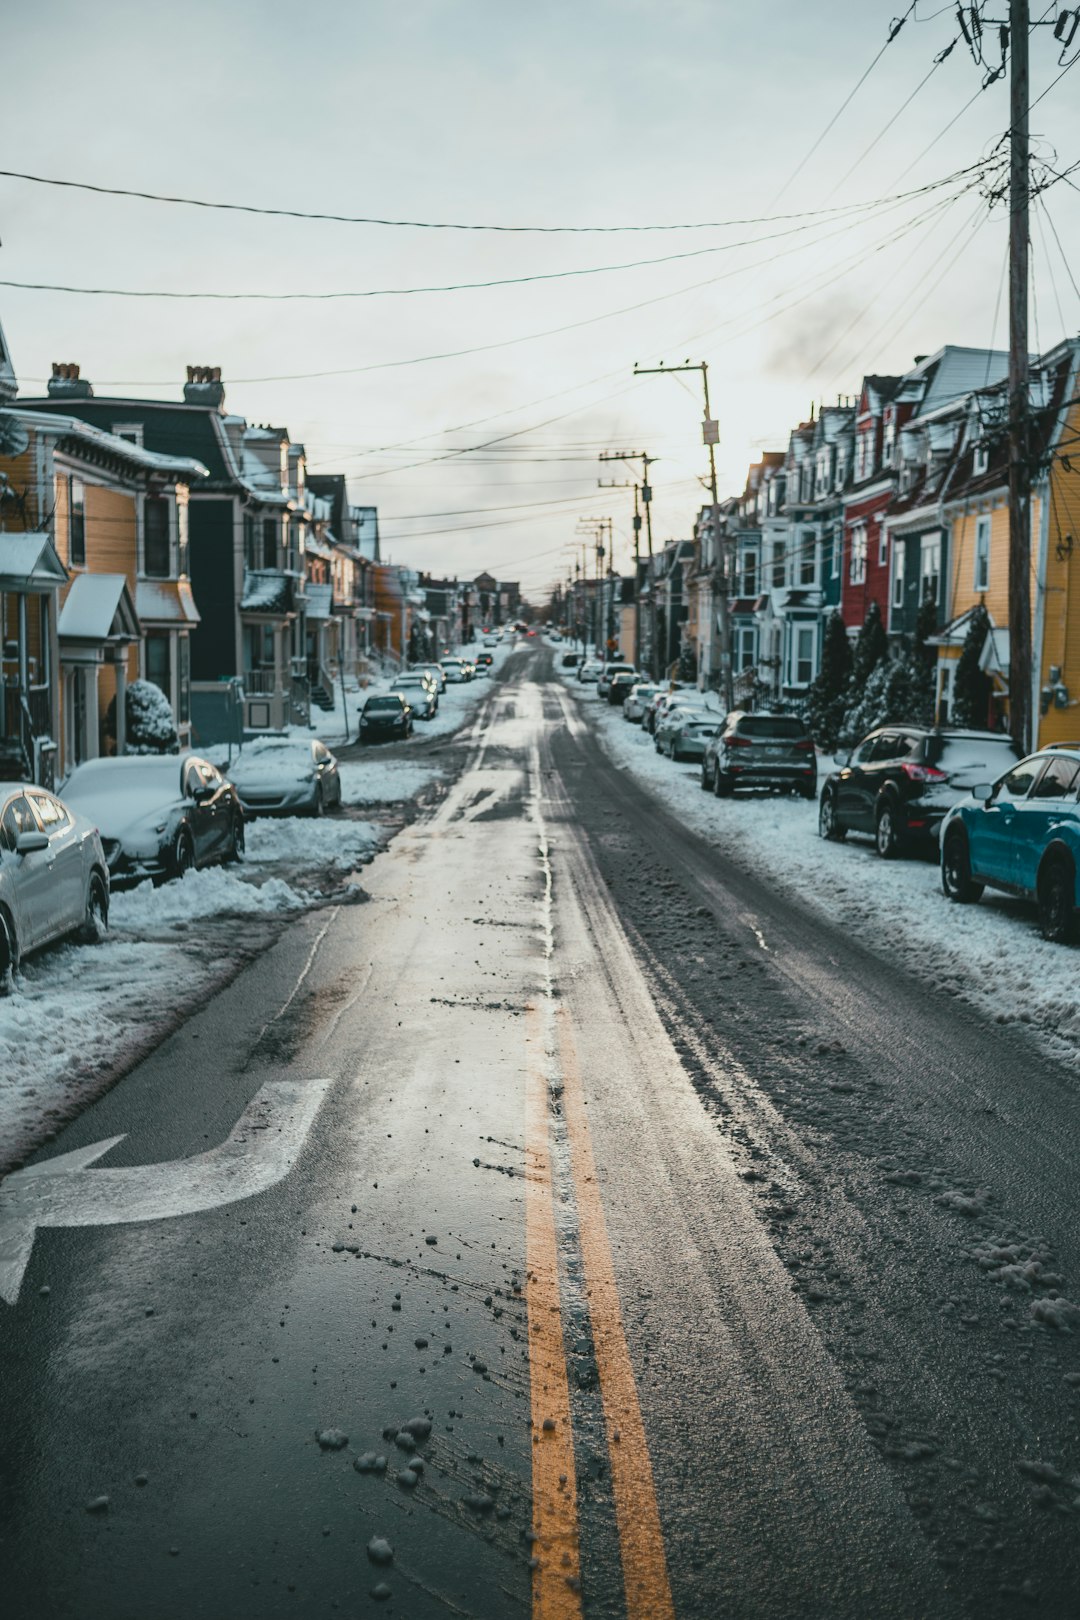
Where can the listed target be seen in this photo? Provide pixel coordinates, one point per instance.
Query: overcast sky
(599, 112)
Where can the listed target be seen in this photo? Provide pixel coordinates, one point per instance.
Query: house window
(862, 456)
(157, 660)
(259, 647)
(76, 522)
(898, 571)
(930, 567)
(745, 647)
(888, 445)
(270, 543)
(857, 571)
(181, 537)
(945, 688)
(131, 431)
(778, 564)
(156, 537)
(980, 461)
(807, 557)
(836, 546)
(982, 553)
(882, 546)
(183, 679)
(802, 655)
(748, 584)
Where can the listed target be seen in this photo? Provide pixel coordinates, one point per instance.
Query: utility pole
(646, 501)
(628, 483)
(710, 436)
(1019, 470)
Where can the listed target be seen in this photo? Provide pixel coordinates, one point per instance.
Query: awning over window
(994, 658)
(29, 563)
(166, 602)
(98, 611)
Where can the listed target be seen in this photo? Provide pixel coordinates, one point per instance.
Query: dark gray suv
(760, 750)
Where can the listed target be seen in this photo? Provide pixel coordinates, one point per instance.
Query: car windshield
(382, 705)
(274, 745)
(150, 778)
(969, 760)
(772, 727)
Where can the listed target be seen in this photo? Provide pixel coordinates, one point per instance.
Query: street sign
(258, 1152)
(710, 431)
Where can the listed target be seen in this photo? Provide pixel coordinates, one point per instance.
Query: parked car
(589, 671)
(385, 717)
(620, 685)
(455, 670)
(603, 681)
(675, 715)
(901, 780)
(1021, 834)
(159, 815)
(760, 750)
(419, 693)
(54, 879)
(436, 671)
(571, 660)
(690, 732)
(291, 776)
(636, 700)
(665, 699)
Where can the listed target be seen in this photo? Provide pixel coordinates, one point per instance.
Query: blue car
(1021, 834)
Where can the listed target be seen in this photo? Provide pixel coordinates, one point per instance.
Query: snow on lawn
(990, 955)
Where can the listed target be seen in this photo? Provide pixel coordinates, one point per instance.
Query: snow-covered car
(676, 716)
(291, 776)
(159, 815)
(53, 876)
(658, 706)
(690, 733)
(589, 671)
(419, 692)
(637, 699)
(455, 670)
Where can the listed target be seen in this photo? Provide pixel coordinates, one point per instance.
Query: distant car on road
(436, 671)
(419, 692)
(54, 879)
(484, 662)
(603, 684)
(287, 776)
(385, 717)
(620, 686)
(689, 732)
(901, 780)
(1021, 834)
(159, 815)
(589, 671)
(570, 660)
(761, 750)
(636, 700)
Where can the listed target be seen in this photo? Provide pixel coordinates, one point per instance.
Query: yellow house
(1056, 701)
(104, 601)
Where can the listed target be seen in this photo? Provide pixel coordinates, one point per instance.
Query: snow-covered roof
(28, 562)
(165, 601)
(98, 608)
(266, 591)
(71, 427)
(319, 601)
(956, 371)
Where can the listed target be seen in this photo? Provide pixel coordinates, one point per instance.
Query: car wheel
(886, 838)
(182, 857)
(828, 824)
(9, 954)
(705, 783)
(956, 878)
(656, 744)
(235, 849)
(95, 924)
(318, 807)
(723, 787)
(1057, 913)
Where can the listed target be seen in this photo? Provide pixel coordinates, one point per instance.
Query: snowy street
(606, 1200)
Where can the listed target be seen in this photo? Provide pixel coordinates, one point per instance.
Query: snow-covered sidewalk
(990, 955)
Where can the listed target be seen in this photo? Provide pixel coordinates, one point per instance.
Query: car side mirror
(843, 757)
(983, 791)
(29, 843)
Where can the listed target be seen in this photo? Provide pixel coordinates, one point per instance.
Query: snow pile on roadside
(989, 955)
(311, 842)
(212, 892)
(380, 781)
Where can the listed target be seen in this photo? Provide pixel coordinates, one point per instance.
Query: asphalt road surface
(571, 1225)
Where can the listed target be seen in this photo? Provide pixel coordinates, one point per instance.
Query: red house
(866, 556)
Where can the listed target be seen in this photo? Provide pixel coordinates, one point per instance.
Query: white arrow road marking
(257, 1154)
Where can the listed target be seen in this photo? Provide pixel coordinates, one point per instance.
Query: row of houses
(176, 542)
(896, 495)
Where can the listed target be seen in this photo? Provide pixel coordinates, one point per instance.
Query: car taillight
(923, 773)
(806, 746)
(735, 741)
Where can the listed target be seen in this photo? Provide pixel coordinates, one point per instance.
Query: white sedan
(53, 876)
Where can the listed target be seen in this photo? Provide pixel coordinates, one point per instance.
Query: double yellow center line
(556, 1586)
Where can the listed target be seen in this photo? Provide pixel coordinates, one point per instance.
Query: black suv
(900, 781)
(760, 750)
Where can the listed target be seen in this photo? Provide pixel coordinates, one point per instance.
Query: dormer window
(980, 461)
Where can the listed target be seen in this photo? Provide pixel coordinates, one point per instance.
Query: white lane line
(63, 1191)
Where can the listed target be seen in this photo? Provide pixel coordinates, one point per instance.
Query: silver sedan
(53, 876)
(286, 776)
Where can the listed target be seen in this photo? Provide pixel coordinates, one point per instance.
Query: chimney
(204, 386)
(65, 382)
